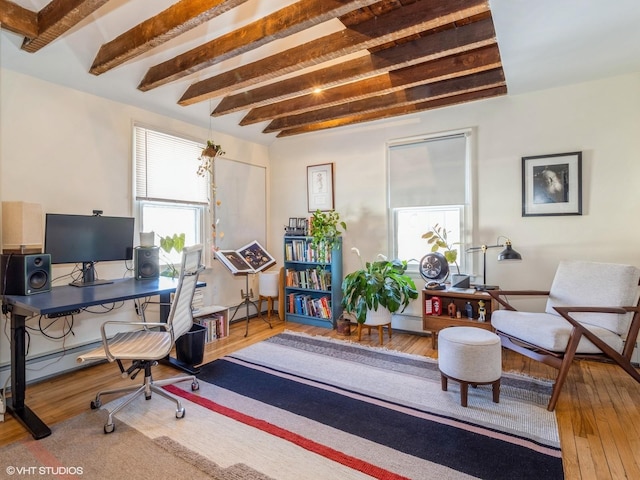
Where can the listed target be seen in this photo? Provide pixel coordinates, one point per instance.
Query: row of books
(301, 251)
(309, 306)
(311, 278)
(215, 325)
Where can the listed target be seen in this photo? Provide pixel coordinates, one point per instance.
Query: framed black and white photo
(552, 184)
(320, 187)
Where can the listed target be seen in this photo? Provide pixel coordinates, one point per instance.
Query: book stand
(246, 301)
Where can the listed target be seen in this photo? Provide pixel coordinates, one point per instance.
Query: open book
(251, 258)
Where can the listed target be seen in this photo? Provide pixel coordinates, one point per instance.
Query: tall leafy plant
(379, 283)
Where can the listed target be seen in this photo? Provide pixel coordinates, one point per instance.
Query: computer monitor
(88, 239)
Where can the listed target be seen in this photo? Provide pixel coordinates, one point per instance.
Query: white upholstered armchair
(591, 312)
(150, 342)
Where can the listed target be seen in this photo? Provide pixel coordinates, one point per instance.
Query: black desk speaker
(146, 261)
(25, 274)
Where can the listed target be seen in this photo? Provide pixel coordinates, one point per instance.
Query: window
(170, 196)
(428, 184)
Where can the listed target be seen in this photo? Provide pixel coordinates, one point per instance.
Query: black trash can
(190, 346)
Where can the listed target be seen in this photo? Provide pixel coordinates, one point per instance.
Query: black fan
(434, 268)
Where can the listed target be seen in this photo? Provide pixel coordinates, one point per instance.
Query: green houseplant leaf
(437, 238)
(380, 283)
(325, 231)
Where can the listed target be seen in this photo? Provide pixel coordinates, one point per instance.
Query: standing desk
(59, 300)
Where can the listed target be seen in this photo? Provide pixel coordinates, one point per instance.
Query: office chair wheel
(195, 386)
(109, 428)
(95, 404)
(180, 412)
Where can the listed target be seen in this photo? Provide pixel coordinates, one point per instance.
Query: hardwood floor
(598, 412)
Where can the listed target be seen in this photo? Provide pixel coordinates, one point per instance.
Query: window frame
(467, 213)
(203, 221)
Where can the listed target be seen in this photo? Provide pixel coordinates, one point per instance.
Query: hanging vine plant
(206, 168)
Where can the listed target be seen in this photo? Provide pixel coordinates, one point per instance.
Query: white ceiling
(543, 44)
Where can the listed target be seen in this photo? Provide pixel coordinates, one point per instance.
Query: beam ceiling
(385, 58)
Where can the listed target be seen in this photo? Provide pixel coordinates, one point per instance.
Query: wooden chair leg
(444, 381)
(389, 331)
(380, 334)
(572, 346)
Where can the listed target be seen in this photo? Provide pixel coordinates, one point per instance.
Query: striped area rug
(300, 407)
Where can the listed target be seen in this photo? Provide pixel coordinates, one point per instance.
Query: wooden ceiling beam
(398, 111)
(18, 19)
(431, 91)
(286, 21)
(175, 20)
(402, 22)
(429, 47)
(58, 17)
(475, 61)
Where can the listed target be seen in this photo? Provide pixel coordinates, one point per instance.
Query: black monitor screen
(88, 238)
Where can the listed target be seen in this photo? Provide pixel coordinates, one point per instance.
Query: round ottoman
(470, 355)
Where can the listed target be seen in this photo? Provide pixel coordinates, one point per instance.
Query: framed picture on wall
(552, 184)
(320, 187)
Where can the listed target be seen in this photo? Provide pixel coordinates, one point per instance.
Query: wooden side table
(433, 323)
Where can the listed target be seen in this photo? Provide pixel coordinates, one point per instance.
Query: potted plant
(325, 232)
(168, 243)
(206, 168)
(437, 238)
(382, 283)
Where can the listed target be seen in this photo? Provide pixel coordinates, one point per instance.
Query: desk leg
(16, 405)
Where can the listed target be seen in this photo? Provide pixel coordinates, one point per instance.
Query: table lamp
(22, 229)
(507, 254)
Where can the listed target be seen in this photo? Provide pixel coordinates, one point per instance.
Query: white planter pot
(382, 316)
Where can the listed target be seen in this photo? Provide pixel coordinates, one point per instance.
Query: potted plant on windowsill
(168, 243)
(437, 238)
(380, 286)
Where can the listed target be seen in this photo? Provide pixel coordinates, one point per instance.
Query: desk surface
(65, 298)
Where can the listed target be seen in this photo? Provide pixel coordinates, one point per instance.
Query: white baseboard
(46, 366)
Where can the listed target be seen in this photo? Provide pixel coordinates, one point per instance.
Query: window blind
(429, 172)
(166, 168)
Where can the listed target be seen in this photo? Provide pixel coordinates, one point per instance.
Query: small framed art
(552, 184)
(320, 187)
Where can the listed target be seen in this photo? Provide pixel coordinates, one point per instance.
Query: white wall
(601, 119)
(71, 152)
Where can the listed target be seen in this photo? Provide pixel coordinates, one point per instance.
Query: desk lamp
(507, 254)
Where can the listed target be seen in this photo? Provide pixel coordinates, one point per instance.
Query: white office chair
(151, 342)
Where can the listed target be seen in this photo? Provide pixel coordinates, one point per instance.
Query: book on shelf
(301, 250)
(301, 304)
(216, 326)
(310, 278)
(252, 258)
